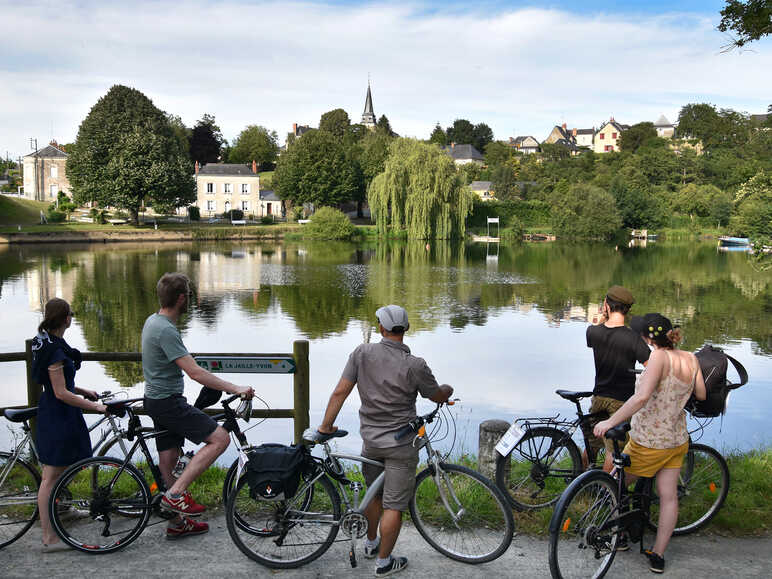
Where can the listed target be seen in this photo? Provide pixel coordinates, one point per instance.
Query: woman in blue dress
(62, 435)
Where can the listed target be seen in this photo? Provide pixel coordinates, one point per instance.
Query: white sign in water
(246, 365)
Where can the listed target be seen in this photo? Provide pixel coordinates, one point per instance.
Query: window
(602, 136)
(210, 188)
(245, 205)
(227, 188)
(608, 148)
(53, 191)
(54, 172)
(210, 205)
(244, 188)
(613, 135)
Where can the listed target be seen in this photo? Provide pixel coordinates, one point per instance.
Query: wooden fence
(301, 386)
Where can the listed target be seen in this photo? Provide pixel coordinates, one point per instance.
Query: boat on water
(727, 241)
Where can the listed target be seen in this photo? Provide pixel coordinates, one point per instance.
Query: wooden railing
(301, 386)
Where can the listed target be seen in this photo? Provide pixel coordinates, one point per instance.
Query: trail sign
(247, 365)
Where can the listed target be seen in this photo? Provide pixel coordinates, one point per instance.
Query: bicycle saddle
(20, 414)
(571, 395)
(618, 432)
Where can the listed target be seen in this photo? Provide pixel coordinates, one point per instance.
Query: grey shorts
(180, 419)
(400, 463)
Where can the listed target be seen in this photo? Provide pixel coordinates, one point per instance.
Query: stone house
(524, 144)
(664, 128)
(221, 187)
(584, 137)
(607, 136)
(482, 189)
(463, 154)
(45, 173)
(268, 205)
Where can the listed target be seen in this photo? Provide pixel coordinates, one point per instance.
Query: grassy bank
(746, 512)
(14, 210)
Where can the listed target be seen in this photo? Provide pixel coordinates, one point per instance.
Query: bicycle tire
(703, 486)
(577, 549)
(19, 484)
(82, 513)
(484, 529)
(541, 465)
(276, 535)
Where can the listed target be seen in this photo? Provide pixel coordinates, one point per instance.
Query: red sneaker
(183, 504)
(188, 527)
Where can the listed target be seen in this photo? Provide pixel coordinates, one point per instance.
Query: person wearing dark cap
(659, 438)
(388, 378)
(615, 348)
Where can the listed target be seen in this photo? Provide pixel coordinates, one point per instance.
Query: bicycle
(20, 478)
(102, 504)
(597, 508)
(459, 512)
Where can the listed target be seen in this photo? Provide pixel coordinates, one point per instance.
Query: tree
(420, 191)
(753, 201)
(585, 212)
(438, 136)
(206, 141)
(255, 143)
(375, 151)
(126, 152)
(461, 132)
(335, 122)
(504, 182)
(636, 204)
(482, 135)
(714, 128)
(181, 133)
(632, 139)
(750, 20)
(317, 170)
(384, 126)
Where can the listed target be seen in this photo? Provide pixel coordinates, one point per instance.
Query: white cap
(392, 316)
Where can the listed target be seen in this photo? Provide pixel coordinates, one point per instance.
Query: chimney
(54, 143)
(573, 131)
(295, 128)
(612, 118)
(564, 126)
(254, 166)
(196, 167)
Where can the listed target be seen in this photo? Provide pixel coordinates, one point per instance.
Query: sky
(519, 66)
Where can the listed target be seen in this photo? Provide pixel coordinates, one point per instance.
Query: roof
(49, 152)
(663, 122)
(619, 127)
(268, 195)
(459, 152)
(519, 140)
(480, 185)
(226, 169)
(585, 131)
(368, 115)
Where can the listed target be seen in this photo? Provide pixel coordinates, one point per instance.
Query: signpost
(247, 364)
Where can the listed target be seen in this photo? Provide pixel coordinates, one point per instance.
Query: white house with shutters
(221, 187)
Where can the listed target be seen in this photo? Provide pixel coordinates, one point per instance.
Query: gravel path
(215, 555)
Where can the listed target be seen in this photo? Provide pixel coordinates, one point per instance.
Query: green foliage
(504, 182)
(438, 136)
(194, 213)
(206, 140)
(754, 207)
(585, 212)
(180, 131)
(722, 128)
(462, 132)
(636, 204)
(384, 126)
(53, 215)
(329, 223)
(375, 151)
(529, 213)
(98, 215)
(470, 172)
(235, 214)
(318, 170)
(336, 122)
(498, 153)
(267, 220)
(632, 139)
(420, 191)
(126, 152)
(750, 20)
(703, 201)
(255, 143)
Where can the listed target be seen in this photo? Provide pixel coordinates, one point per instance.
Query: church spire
(368, 116)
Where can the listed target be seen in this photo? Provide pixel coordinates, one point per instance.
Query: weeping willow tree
(419, 191)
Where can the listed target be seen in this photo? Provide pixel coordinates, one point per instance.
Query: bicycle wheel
(461, 514)
(580, 546)
(702, 488)
(19, 484)
(283, 534)
(540, 467)
(104, 516)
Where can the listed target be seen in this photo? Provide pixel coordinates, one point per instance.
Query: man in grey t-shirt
(164, 359)
(389, 379)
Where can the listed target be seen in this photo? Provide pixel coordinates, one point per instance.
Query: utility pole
(35, 148)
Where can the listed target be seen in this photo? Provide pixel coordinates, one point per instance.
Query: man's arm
(188, 365)
(337, 398)
(443, 393)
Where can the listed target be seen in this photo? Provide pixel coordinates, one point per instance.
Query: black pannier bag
(714, 363)
(273, 471)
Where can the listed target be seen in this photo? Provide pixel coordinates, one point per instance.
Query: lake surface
(504, 325)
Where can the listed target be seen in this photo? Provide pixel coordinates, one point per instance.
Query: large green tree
(127, 152)
(584, 212)
(335, 122)
(438, 136)
(255, 143)
(749, 20)
(317, 169)
(419, 191)
(632, 139)
(206, 140)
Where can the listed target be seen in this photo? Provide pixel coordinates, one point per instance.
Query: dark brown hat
(620, 294)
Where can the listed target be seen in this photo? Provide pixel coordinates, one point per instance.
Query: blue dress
(62, 435)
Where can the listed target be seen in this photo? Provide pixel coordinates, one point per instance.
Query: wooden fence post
(33, 388)
(301, 388)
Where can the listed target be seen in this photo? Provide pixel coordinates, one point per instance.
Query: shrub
(329, 223)
(514, 230)
(235, 214)
(194, 213)
(53, 215)
(266, 220)
(585, 212)
(98, 215)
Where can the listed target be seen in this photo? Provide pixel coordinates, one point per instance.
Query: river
(504, 325)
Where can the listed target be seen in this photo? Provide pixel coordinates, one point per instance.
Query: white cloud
(274, 64)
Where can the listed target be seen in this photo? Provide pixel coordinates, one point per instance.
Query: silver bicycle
(457, 510)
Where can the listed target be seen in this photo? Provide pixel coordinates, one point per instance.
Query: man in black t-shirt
(615, 348)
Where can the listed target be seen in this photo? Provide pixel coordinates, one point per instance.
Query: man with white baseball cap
(389, 378)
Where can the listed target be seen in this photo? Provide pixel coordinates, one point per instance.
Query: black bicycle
(102, 504)
(597, 508)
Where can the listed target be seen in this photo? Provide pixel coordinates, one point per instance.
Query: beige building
(221, 187)
(45, 173)
(584, 137)
(482, 189)
(665, 128)
(607, 137)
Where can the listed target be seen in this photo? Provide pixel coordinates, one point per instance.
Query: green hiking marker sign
(246, 365)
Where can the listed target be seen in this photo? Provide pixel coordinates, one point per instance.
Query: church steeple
(368, 116)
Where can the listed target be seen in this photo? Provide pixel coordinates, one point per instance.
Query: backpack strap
(743, 373)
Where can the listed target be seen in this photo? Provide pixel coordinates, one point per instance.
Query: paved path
(214, 555)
